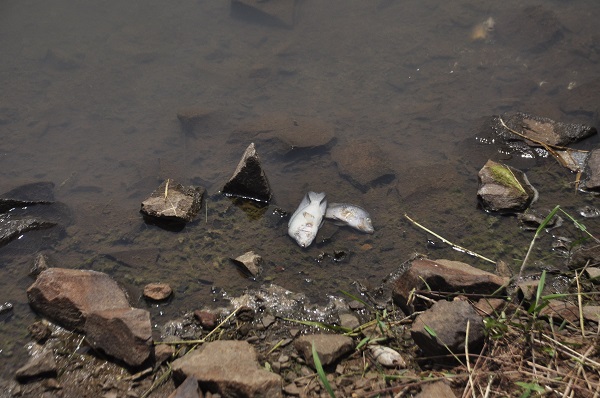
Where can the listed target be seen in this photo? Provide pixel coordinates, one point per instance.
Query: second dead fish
(351, 215)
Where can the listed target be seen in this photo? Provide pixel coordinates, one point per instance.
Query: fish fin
(316, 197)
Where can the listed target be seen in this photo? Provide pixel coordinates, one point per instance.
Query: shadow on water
(94, 100)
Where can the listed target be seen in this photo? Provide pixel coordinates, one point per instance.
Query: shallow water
(90, 93)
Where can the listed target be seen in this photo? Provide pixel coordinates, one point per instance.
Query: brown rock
(489, 306)
(125, 334)
(157, 291)
(41, 364)
(329, 347)
(504, 189)
(229, 368)
(188, 389)
(68, 296)
(437, 389)
(363, 163)
(208, 320)
(173, 203)
(249, 262)
(591, 313)
(39, 331)
(561, 310)
(442, 276)
(590, 179)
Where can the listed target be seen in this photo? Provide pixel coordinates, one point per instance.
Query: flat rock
(541, 129)
(329, 347)
(68, 296)
(188, 389)
(443, 276)
(27, 195)
(504, 189)
(157, 291)
(590, 178)
(584, 254)
(280, 13)
(437, 389)
(448, 319)
(124, 334)
(12, 229)
(229, 368)
(561, 310)
(249, 179)
(171, 202)
(249, 262)
(363, 163)
(41, 364)
(591, 313)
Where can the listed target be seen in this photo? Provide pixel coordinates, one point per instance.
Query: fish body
(351, 215)
(308, 218)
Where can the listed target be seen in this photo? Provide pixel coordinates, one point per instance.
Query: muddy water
(90, 93)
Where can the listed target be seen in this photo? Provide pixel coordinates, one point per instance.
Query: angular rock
(68, 296)
(442, 276)
(329, 347)
(157, 291)
(249, 263)
(561, 310)
(583, 255)
(39, 264)
(437, 389)
(188, 389)
(125, 334)
(229, 368)
(504, 189)
(448, 319)
(173, 203)
(591, 313)
(527, 289)
(593, 273)
(12, 229)
(590, 178)
(41, 364)
(208, 320)
(37, 193)
(363, 163)
(249, 179)
(39, 331)
(280, 13)
(541, 129)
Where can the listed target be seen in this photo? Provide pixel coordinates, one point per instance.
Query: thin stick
(454, 246)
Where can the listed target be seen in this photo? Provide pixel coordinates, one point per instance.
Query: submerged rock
(443, 276)
(157, 291)
(229, 368)
(249, 179)
(171, 202)
(504, 189)
(124, 333)
(280, 13)
(362, 163)
(37, 193)
(12, 229)
(249, 263)
(68, 296)
(448, 320)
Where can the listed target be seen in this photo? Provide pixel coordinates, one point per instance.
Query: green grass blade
(321, 372)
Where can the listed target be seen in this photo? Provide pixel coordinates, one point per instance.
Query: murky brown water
(90, 92)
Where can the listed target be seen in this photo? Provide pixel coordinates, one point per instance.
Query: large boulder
(443, 327)
(229, 368)
(124, 333)
(249, 179)
(68, 296)
(442, 276)
(504, 189)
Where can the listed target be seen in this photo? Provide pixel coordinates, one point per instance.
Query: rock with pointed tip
(249, 179)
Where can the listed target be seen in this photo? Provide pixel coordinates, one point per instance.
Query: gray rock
(41, 364)
(443, 276)
(591, 313)
(249, 262)
(590, 179)
(37, 193)
(12, 229)
(280, 13)
(171, 202)
(593, 273)
(249, 179)
(329, 347)
(449, 322)
(188, 389)
(437, 389)
(229, 368)
(362, 163)
(39, 331)
(193, 118)
(582, 255)
(39, 264)
(125, 334)
(504, 189)
(68, 296)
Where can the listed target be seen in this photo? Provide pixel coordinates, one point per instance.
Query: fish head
(304, 236)
(366, 225)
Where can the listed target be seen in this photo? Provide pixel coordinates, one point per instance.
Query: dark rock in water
(188, 389)
(39, 331)
(192, 119)
(157, 291)
(533, 29)
(6, 311)
(363, 163)
(41, 364)
(125, 334)
(229, 368)
(68, 296)
(208, 320)
(249, 179)
(532, 219)
(12, 229)
(504, 189)
(249, 263)
(330, 347)
(540, 129)
(582, 255)
(172, 203)
(590, 179)
(449, 322)
(40, 264)
(280, 13)
(443, 276)
(27, 195)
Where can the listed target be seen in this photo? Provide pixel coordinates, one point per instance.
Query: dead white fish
(308, 218)
(387, 357)
(351, 215)
(483, 30)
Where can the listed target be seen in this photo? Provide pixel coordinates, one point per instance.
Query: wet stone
(504, 189)
(281, 13)
(249, 179)
(157, 291)
(206, 319)
(39, 264)
(173, 203)
(249, 263)
(12, 229)
(41, 364)
(590, 179)
(39, 331)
